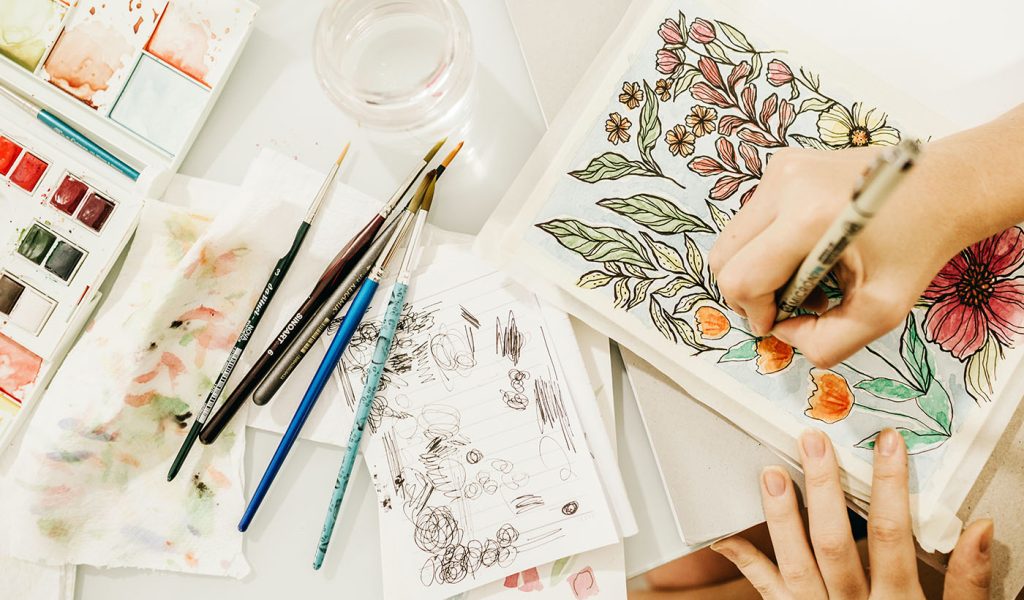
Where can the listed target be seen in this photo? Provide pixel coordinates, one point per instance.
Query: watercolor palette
(139, 77)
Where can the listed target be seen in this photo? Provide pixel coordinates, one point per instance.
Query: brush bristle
(344, 152)
(433, 151)
(451, 155)
(428, 198)
(421, 191)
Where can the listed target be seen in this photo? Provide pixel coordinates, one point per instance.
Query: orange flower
(711, 323)
(831, 399)
(773, 355)
(617, 127)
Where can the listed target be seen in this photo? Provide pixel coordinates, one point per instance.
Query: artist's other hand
(830, 567)
(963, 189)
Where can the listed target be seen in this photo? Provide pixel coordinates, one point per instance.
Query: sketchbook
(667, 136)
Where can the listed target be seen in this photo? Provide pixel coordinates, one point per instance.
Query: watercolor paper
(19, 368)
(28, 28)
(633, 186)
(160, 105)
(96, 51)
(507, 483)
(198, 37)
(88, 484)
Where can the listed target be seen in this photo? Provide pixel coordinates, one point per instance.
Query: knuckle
(885, 530)
(796, 573)
(733, 286)
(820, 357)
(819, 479)
(715, 259)
(763, 588)
(831, 546)
(890, 473)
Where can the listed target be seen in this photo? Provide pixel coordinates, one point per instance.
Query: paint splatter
(584, 584)
(182, 41)
(85, 59)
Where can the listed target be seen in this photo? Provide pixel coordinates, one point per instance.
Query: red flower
(668, 61)
(779, 73)
(670, 32)
(973, 296)
(702, 31)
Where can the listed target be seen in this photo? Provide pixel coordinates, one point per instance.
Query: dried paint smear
(28, 28)
(19, 368)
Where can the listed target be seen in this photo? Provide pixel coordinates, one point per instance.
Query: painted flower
(779, 73)
(702, 31)
(831, 400)
(617, 127)
(773, 355)
(670, 32)
(702, 120)
(680, 141)
(840, 127)
(661, 88)
(712, 323)
(667, 61)
(974, 296)
(631, 95)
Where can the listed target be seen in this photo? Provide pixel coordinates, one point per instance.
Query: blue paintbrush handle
(380, 357)
(55, 123)
(355, 314)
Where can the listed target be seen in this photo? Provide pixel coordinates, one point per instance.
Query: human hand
(882, 273)
(830, 566)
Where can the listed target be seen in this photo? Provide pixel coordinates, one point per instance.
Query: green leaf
(717, 52)
(756, 64)
(674, 329)
(694, 258)
(719, 216)
(814, 104)
(662, 321)
(684, 81)
(735, 36)
(639, 293)
(667, 256)
(650, 128)
(686, 303)
(809, 142)
(657, 214)
(889, 389)
(610, 165)
(598, 244)
(917, 442)
(593, 280)
(915, 355)
(620, 295)
(745, 350)
(980, 373)
(937, 405)
(672, 288)
(682, 27)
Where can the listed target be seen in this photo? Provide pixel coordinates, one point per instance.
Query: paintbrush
(276, 278)
(389, 325)
(329, 281)
(322, 320)
(348, 326)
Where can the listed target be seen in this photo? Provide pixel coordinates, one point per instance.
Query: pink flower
(702, 31)
(779, 73)
(670, 32)
(668, 61)
(973, 296)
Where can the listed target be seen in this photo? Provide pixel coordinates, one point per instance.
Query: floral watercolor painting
(682, 144)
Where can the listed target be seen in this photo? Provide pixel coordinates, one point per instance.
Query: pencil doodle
(503, 466)
(439, 534)
(516, 398)
(469, 317)
(551, 410)
(570, 508)
(508, 339)
(527, 502)
(454, 353)
(474, 456)
(554, 457)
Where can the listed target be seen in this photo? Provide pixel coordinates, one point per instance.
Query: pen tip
(433, 151)
(451, 155)
(344, 151)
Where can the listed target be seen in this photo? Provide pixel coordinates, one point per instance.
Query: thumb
(832, 337)
(969, 574)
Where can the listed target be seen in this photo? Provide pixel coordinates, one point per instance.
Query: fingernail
(774, 481)
(813, 442)
(723, 549)
(985, 540)
(888, 442)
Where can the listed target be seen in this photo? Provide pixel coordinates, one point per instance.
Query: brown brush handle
(331, 278)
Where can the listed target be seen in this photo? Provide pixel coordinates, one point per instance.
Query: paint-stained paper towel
(88, 484)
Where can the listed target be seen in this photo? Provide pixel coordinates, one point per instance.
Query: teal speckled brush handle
(380, 356)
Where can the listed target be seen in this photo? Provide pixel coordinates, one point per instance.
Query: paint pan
(29, 170)
(19, 368)
(27, 28)
(24, 305)
(198, 37)
(95, 212)
(52, 252)
(9, 153)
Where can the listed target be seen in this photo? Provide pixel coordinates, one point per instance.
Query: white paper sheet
(20, 580)
(507, 482)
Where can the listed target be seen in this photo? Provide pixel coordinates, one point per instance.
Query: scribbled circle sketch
(570, 508)
(483, 477)
(474, 456)
(554, 457)
(515, 400)
(501, 465)
(491, 487)
(514, 481)
(516, 379)
(439, 420)
(473, 490)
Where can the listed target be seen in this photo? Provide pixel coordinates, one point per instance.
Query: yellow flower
(617, 127)
(680, 141)
(702, 120)
(840, 127)
(661, 88)
(631, 95)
